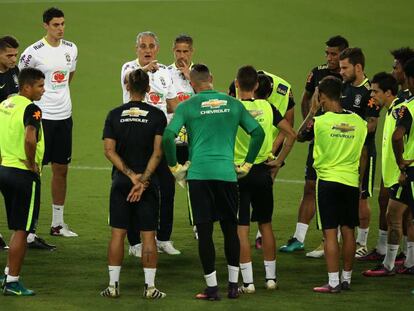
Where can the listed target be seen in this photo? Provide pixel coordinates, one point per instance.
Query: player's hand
(243, 170)
(151, 67)
(136, 192)
(184, 67)
(180, 173)
(402, 179)
(33, 167)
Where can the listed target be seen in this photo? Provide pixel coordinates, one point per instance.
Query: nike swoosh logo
(2, 86)
(18, 293)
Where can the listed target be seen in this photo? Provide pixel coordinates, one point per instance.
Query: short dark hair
(8, 42)
(199, 73)
(247, 78)
(183, 38)
(138, 81)
(232, 89)
(409, 68)
(402, 55)
(331, 87)
(386, 81)
(354, 55)
(28, 76)
(265, 86)
(337, 41)
(51, 13)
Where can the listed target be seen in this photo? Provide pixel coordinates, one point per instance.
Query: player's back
(211, 120)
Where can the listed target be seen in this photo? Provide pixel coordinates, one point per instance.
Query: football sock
(30, 237)
(346, 276)
(211, 279)
(300, 232)
(390, 255)
(149, 275)
(6, 270)
(382, 242)
(233, 273)
(114, 272)
(247, 272)
(333, 279)
(11, 279)
(258, 234)
(57, 216)
(362, 236)
(409, 260)
(270, 269)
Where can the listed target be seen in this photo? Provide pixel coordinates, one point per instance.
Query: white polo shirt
(161, 86)
(56, 63)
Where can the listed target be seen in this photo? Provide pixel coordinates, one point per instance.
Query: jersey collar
(174, 66)
(363, 82)
(48, 44)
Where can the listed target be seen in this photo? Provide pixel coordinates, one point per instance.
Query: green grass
(283, 37)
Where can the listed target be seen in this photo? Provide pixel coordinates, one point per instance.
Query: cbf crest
(68, 58)
(357, 101)
(162, 80)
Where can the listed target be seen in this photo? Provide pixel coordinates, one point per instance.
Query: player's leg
(378, 253)
(226, 206)
(246, 267)
(348, 255)
(399, 260)
(61, 156)
(21, 191)
(121, 215)
(329, 209)
(148, 214)
(395, 213)
(364, 208)
(202, 214)
(306, 208)
(167, 191)
(407, 267)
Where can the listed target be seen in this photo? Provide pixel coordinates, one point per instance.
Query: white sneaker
(317, 252)
(167, 247)
(112, 291)
(135, 250)
(361, 250)
(271, 284)
(62, 230)
(249, 289)
(153, 293)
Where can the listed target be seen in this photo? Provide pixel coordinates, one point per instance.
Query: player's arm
(172, 104)
(71, 76)
(257, 135)
(305, 103)
(31, 119)
(403, 126)
(27, 59)
(305, 131)
(168, 138)
(116, 160)
(290, 118)
(144, 179)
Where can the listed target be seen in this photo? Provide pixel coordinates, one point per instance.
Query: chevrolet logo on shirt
(214, 103)
(343, 127)
(134, 112)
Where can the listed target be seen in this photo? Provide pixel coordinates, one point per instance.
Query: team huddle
(225, 150)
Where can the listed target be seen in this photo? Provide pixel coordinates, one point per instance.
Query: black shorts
(337, 205)
(21, 192)
(182, 153)
(256, 189)
(367, 188)
(310, 173)
(58, 141)
(404, 194)
(141, 215)
(212, 200)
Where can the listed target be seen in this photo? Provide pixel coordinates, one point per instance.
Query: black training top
(9, 83)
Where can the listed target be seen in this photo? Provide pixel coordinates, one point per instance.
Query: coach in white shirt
(56, 58)
(162, 95)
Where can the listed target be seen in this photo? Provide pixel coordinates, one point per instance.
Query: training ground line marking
(107, 168)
